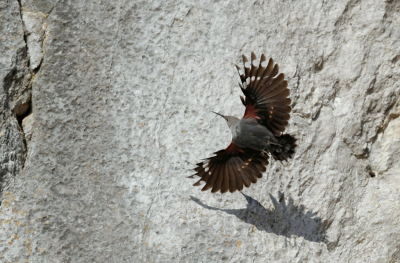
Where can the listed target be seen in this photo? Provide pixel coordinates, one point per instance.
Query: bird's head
(230, 120)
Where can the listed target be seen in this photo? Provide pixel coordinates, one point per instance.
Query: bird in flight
(255, 137)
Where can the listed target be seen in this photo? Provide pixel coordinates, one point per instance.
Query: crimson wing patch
(231, 169)
(266, 93)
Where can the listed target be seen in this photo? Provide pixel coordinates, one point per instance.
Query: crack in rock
(35, 34)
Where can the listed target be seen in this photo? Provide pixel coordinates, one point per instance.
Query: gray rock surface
(27, 124)
(14, 92)
(121, 93)
(34, 31)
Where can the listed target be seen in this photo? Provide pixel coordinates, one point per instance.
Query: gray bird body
(248, 133)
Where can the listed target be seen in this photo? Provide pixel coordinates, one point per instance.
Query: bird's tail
(286, 148)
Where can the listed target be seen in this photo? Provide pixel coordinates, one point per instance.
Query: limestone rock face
(34, 31)
(121, 94)
(14, 91)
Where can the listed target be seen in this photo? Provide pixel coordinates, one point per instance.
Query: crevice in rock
(24, 109)
(25, 36)
(17, 86)
(22, 116)
(19, 97)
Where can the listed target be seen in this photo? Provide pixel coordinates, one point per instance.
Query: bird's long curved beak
(219, 114)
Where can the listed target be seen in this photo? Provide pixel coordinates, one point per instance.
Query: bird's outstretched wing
(266, 93)
(230, 169)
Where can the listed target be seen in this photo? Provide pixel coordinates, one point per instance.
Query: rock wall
(105, 108)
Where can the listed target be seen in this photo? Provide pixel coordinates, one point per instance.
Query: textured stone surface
(122, 103)
(34, 31)
(27, 124)
(14, 91)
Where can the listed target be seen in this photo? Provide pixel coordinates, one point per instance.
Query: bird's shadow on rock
(284, 219)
